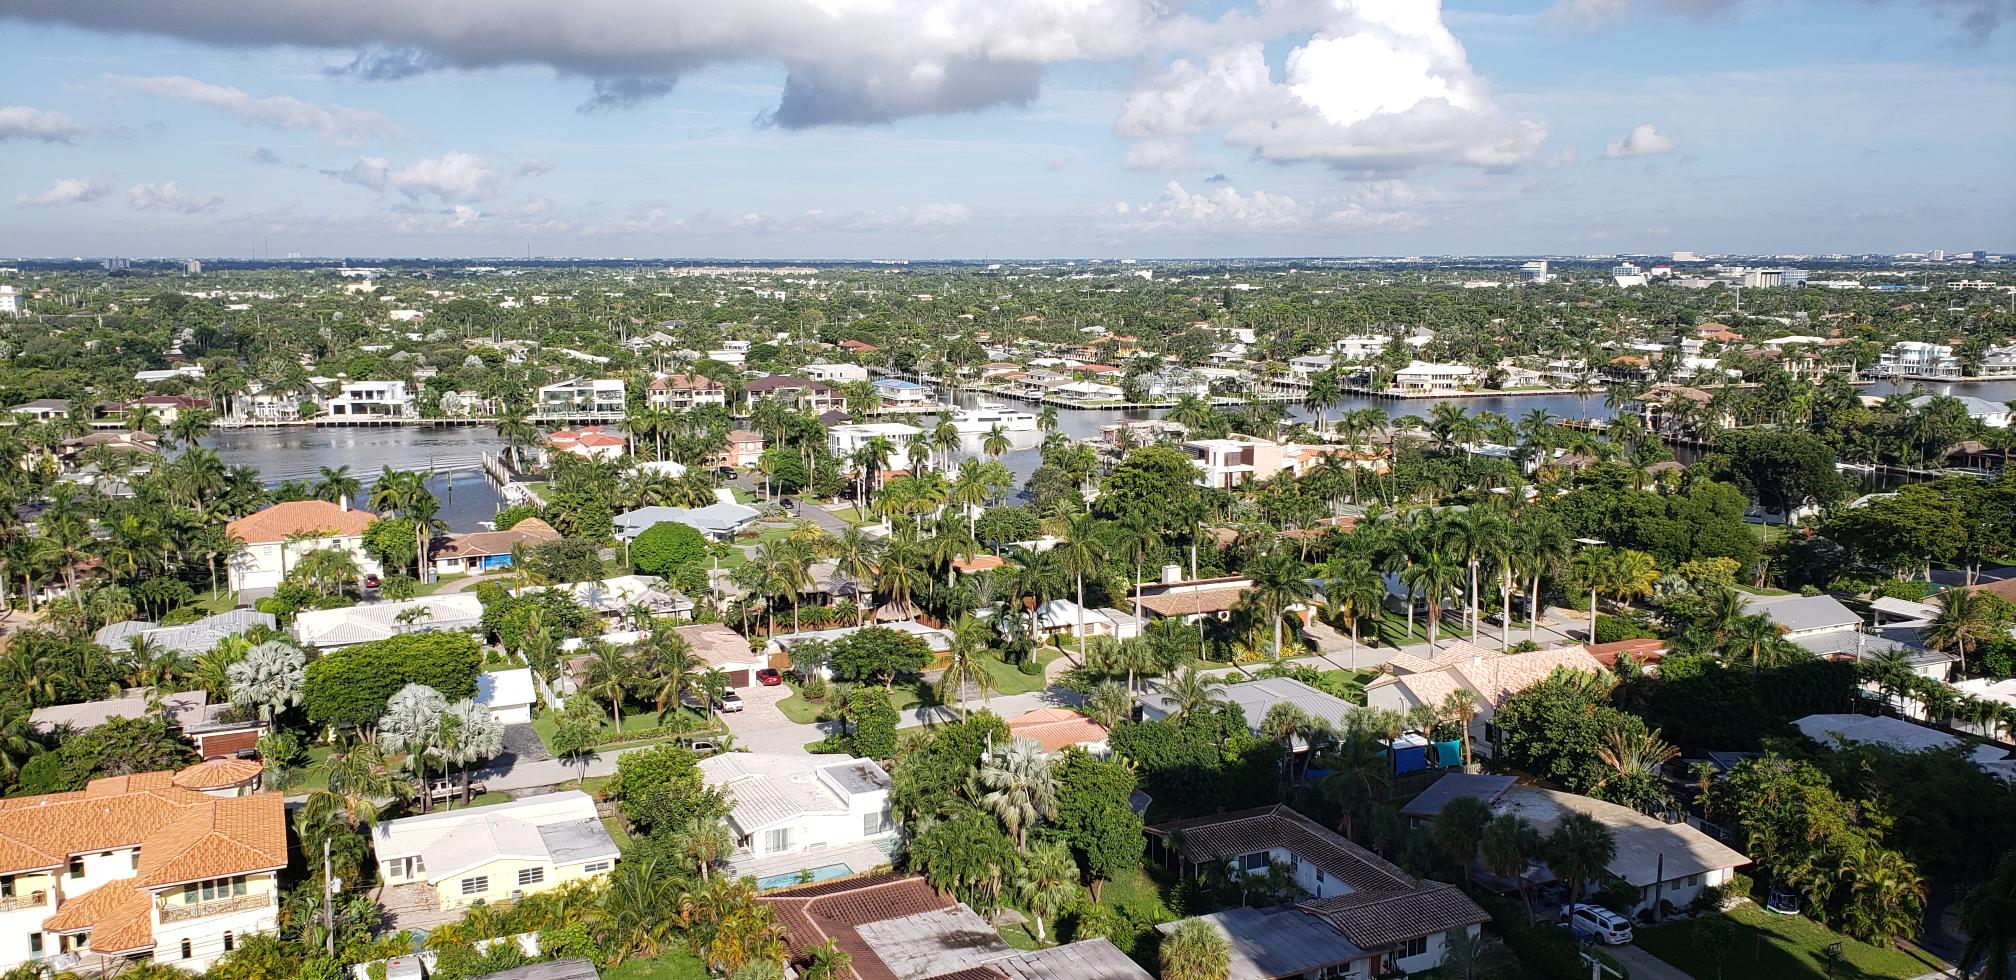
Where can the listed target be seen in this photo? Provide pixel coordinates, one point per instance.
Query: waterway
(454, 455)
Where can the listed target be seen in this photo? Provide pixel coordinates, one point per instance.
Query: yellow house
(496, 853)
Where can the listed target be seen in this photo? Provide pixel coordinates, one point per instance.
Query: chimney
(344, 502)
(1171, 574)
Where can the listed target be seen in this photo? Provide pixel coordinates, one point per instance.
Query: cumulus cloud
(168, 195)
(1156, 155)
(276, 111)
(1226, 210)
(1380, 86)
(451, 177)
(1643, 140)
(845, 61)
(925, 218)
(21, 122)
(64, 191)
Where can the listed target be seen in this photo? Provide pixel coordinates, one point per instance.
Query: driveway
(1644, 965)
(522, 744)
(761, 727)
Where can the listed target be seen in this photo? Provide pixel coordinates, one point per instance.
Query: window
(531, 876)
(77, 867)
(136, 859)
(230, 942)
(778, 840)
(1254, 862)
(875, 823)
(238, 885)
(6, 886)
(1693, 879)
(1415, 947)
(188, 950)
(35, 944)
(594, 867)
(475, 886)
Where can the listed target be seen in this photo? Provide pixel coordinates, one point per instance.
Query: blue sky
(977, 128)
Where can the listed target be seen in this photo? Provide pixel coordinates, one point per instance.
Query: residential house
(1671, 409)
(1493, 677)
(800, 393)
(487, 551)
(1799, 617)
(778, 649)
(1174, 383)
(1998, 362)
(723, 649)
(836, 374)
(175, 868)
(1089, 391)
(42, 409)
(1189, 600)
(1225, 464)
(904, 395)
(495, 853)
(1994, 415)
(810, 811)
(900, 928)
(189, 639)
(587, 442)
(743, 451)
(331, 629)
(380, 399)
(624, 595)
(1424, 377)
(212, 728)
(1301, 367)
(1917, 359)
(1258, 696)
(1057, 729)
(1363, 917)
(679, 392)
(843, 441)
(508, 694)
(1839, 730)
(1665, 862)
(718, 522)
(601, 399)
(279, 536)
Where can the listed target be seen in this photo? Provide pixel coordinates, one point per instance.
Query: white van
(1598, 923)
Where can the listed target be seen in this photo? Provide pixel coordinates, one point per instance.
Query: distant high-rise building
(1685, 257)
(1535, 271)
(1626, 275)
(10, 301)
(192, 266)
(1938, 255)
(1978, 255)
(115, 264)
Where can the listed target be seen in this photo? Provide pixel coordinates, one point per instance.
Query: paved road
(1645, 966)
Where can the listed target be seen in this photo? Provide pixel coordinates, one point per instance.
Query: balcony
(236, 903)
(13, 903)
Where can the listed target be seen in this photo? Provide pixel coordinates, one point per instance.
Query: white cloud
(169, 196)
(21, 122)
(1225, 211)
(1380, 86)
(1157, 155)
(1978, 19)
(276, 111)
(64, 191)
(1644, 140)
(451, 177)
(927, 218)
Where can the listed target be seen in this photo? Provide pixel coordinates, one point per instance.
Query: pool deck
(859, 859)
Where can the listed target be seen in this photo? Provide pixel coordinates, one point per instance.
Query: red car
(769, 677)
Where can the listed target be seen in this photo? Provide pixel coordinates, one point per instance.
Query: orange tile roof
(275, 523)
(978, 563)
(177, 830)
(217, 774)
(1193, 603)
(120, 917)
(1056, 728)
(236, 835)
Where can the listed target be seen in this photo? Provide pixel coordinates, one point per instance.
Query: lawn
(1782, 947)
(1007, 678)
(313, 776)
(1393, 631)
(675, 964)
(546, 723)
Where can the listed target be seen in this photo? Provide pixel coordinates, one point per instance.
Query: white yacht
(982, 419)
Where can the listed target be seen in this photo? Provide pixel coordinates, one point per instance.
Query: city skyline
(955, 130)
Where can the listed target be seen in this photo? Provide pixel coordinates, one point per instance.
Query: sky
(864, 129)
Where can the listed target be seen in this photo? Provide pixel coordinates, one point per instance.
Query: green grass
(313, 776)
(800, 710)
(618, 829)
(1007, 678)
(1782, 947)
(1393, 631)
(675, 964)
(546, 723)
(851, 515)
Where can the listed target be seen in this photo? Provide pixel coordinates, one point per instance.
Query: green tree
(1458, 832)
(666, 547)
(662, 788)
(1046, 880)
(1095, 815)
(878, 653)
(1580, 850)
(1195, 950)
(351, 685)
(1988, 917)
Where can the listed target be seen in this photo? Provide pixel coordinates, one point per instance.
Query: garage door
(738, 678)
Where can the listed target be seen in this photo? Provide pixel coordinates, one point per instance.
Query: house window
(1693, 879)
(777, 840)
(1415, 947)
(35, 945)
(874, 823)
(77, 867)
(188, 950)
(531, 876)
(136, 859)
(230, 942)
(594, 867)
(6, 886)
(1254, 862)
(475, 886)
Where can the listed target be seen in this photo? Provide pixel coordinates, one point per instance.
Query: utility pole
(328, 900)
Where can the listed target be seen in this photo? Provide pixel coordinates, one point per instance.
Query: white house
(843, 441)
(1424, 376)
(509, 694)
(898, 393)
(576, 398)
(1994, 415)
(499, 852)
(330, 629)
(786, 808)
(834, 374)
(277, 537)
(388, 399)
(1917, 359)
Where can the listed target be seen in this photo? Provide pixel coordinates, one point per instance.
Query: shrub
(1739, 886)
(1030, 667)
(396, 587)
(1706, 900)
(509, 517)
(1619, 897)
(666, 547)
(1907, 591)
(1611, 629)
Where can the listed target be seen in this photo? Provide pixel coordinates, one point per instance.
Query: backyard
(643, 724)
(1007, 680)
(1781, 947)
(673, 964)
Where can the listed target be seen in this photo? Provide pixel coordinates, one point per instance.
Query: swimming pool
(804, 877)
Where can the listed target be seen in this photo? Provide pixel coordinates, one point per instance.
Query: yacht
(982, 418)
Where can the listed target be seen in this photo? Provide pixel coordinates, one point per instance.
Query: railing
(31, 900)
(236, 903)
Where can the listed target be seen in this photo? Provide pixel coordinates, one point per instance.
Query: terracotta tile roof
(1193, 603)
(1376, 920)
(217, 774)
(1647, 651)
(177, 830)
(1498, 678)
(698, 382)
(232, 836)
(275, 523)
(835, 910)
(530, 531)
(1057, 729)
(978, 563)
(120, 917)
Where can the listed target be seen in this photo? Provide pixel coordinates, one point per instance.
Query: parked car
(769, 677)
(703, 746)
(729, 701)
(371, 581)
(1599, 924)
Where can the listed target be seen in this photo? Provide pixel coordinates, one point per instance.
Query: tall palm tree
(1046, 881)
(964, 665)
(1353, 590)
(268, 678)
(1508, 848)
(1280, 582)
(703, 841)
(1081, 553)
(1964, 622)
(336, 484)
(412, 724)
(609, 676)
(995, 443)
(1434, 575)
(1580, 851)
(470, 736)
(1021, 789)
(1190, 692)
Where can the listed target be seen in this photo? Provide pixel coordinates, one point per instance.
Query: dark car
(769, 677)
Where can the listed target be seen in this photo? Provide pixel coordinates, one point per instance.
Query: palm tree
(609, 676)
(268, 678)
(854, 554)
(1195, 950)
(1460, 707)
(1080, 553)
(470, 736)
(1046, 881)
(1284, 723)
(1508, 848)
(1988, 917)
(1470, 955)
(1758, 638)
(969, 493)
(1190, 692)
(1280, 582)
(703, 841)
(995, 443)
(1580, 851)
(1632, 754)
(964, 666)
(336, 484)
(1021, 789)
(1353, 590)
(826, 961)
(1109, 704)
(1964, 622)
(1433, 576)
(412, 724)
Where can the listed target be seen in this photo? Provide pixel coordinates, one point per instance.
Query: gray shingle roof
(1800, 613)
